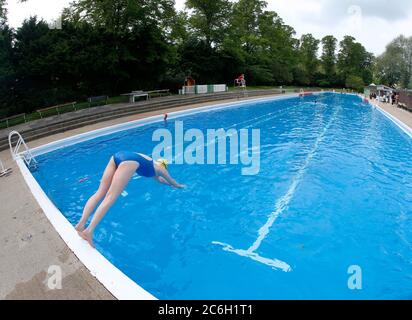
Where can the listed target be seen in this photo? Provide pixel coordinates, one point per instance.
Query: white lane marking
(274, 263)
(284, 201)
(280, 206)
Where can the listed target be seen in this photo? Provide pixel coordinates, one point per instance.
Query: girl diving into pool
(120, 169)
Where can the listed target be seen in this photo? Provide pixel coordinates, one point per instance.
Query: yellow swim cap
(163, 162)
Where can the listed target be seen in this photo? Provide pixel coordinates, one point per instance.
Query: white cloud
(180, 4)
(373, 23)
(49, 10)
(378, 22)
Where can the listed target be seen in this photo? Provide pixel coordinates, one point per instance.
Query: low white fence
(188, 90)
(219, 88)
(202, 89)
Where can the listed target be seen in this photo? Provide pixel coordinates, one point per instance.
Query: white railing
(3, 170)
(219, 88)
(201, 89)
(189, 89)
(18, 153)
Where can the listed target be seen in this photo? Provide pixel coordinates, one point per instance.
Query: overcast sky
(372, 22)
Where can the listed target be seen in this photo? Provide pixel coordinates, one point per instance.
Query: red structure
(190, 82)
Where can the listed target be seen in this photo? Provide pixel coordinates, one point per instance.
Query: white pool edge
(113, 279)
(405, 128)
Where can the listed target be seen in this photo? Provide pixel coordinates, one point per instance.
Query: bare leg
(120, 179)
(99, 195)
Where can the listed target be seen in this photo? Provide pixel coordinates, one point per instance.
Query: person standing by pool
(121, 167)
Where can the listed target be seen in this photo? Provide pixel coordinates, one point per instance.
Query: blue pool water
(334, 190)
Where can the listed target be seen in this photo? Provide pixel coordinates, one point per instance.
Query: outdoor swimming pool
(334, 190)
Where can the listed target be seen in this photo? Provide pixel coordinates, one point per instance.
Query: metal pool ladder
(25, 154)
(3, 171)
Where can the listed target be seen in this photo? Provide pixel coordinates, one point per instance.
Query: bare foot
(79, 228)
(88, 237)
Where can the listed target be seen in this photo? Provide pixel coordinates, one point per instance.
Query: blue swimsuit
(146, 167)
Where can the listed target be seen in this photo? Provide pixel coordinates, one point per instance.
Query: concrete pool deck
(30, 245)
(400, 114)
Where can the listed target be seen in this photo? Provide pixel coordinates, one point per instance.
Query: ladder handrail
(15, 152)
(3, 171)
(2, 168)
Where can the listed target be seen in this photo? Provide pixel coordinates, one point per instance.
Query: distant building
(378, 90)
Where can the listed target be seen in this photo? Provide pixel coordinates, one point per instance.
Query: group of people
(392, 98)
(395, 98)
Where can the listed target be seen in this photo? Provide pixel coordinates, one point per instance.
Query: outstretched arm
(162, 181)
(165, 178)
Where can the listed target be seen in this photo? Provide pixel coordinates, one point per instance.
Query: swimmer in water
(121, 167)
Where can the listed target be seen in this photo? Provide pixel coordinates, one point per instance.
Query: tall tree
(33, 71)
(245, 23)
(328, 59)
(3, 13)
(209, 19)
(135, 37)
(390, 70)
(308, 50)
(6, 67)
(394, 66)
(6, 50)
(278, 45)
(354, 61)
(263, 42)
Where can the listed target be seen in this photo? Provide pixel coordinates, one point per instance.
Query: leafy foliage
(394, 67)
(109, 47)
(328, 61)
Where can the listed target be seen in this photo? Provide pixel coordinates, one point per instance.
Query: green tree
(178, 28)
(33, 74)
(354, 60)
(263, 43)
(245, 23)
(209, 19)
(6, 68)
(3, 13)
(389, 70)
(308, 51)
(278, 46)
(355, 82)
(394, 66)
(6, 38)
(328, 59)
(136, 40)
